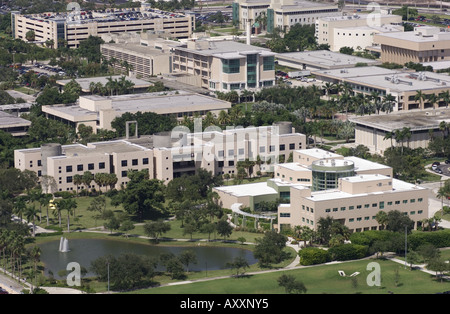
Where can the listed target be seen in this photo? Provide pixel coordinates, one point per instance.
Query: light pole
(406, 244)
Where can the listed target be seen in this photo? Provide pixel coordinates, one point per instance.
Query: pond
(84, 251)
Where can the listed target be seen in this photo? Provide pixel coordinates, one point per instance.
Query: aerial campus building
(99, 111)
(319, 184)
(280, 14)
(424, 44)
(75, 26)
(401, 84)
(165, 155)
(356, 31)
(224, 65)
(373, 131)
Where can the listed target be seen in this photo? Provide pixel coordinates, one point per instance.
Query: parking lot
(442, 168)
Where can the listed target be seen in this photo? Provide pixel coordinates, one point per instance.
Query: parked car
(434, 165)
(447, 161)
(439, 171)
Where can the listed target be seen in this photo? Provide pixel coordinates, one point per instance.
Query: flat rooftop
(412, 37)
(109, 15)
(161, 103)
(386, 79)
(415, 120)
(11, 121)
(318, 153)
(224, 49)
(328, 195)
(324, 59)
(85, 82)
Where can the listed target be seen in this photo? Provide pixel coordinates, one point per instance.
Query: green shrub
(348, 251)
(313, 256)
(439, 239)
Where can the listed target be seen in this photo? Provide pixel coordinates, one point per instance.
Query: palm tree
(433, 99)
(32, 213)
(88, 177)
(420, 96)
(19, 206)
(388, 103)
(77, 180)
(445, 96)
(389, 136)
(35, 254)
(45, 201)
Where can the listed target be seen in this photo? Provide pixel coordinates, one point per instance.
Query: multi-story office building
(319, 184)
(74, 27)
(224, 65)
(281, 14)
(99, 111)
(403, 85)
(373, 131)
(424, 44)
(165, 156)
(146, 54)
(355, 203)
(355, 30)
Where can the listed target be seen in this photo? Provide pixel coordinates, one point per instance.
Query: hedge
(348, 251)
(439, 239)
(312, 256)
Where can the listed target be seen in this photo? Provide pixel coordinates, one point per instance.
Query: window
(124, 174)
(412, 200)
(101, 165)
(134, 162)
(342, 209)
(285, 215)
(351, 207)
(366, 205)
(80, 168)
(327, 210)
(262, 149)
(420, 200)
(231, 163)
(68, 168)
(124, 163)
(145, 161)
(91, 166)
(405, 201)
(269, 63)
(231, 66)
(282, 147)
(241, 151)
(381, 205)
(69, 179)
(291, 146)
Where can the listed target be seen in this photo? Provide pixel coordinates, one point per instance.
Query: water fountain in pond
(64, 245)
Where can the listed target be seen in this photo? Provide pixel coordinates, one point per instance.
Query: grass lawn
(83, 218)
(323, 279)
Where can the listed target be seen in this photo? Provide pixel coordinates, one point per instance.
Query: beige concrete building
(401, 84)
(146, 53)
(321, 60)
(76, 26)
(165, 156)
(99, 111)
(371, 131)
(320, 184)
(355, 31)
(281, 14)
(424, 44)
(224, 65)
(355, 203)
(13, 124)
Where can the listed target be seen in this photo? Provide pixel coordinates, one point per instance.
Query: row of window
(380, 205)
(366, 218)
